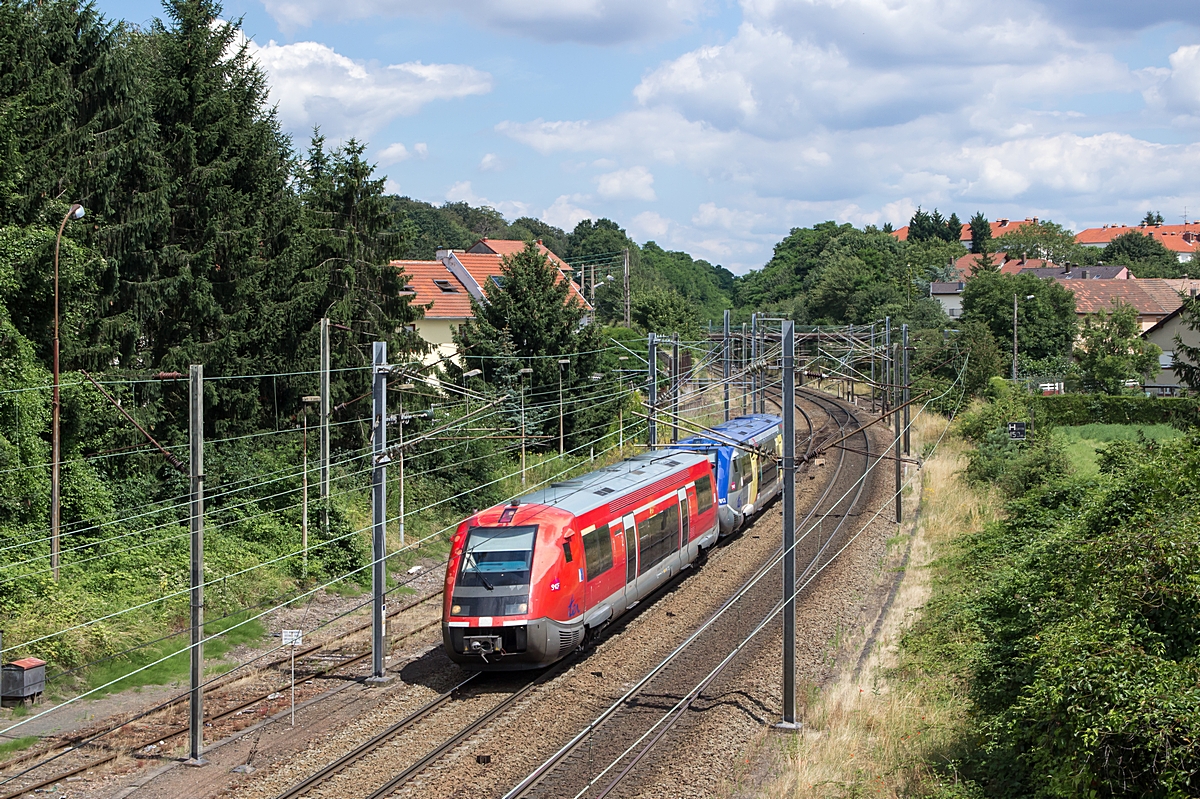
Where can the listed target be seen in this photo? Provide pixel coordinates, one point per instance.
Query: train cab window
(597, 551)
(497, 556)
(658, 537)
(567, 554)
(704, 494)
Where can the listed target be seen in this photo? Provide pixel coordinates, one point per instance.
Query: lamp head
(77, 211)
(472, 373)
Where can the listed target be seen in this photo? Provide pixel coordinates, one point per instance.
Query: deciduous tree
(1112, 350)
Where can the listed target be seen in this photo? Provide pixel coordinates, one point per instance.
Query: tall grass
(882, 731)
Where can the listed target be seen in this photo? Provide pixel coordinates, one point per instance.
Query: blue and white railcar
(748, 477)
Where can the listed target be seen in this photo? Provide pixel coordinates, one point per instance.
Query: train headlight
(523, 608)
(455, 610)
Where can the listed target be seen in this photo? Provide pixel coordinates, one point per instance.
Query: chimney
(1083, 274)
(442, 253)
(1035, 220)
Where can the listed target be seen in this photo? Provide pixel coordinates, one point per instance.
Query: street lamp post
(1014, 365)
(76, 211)
(523, 372)
(561, 363)
(304, 502)
(467, 395)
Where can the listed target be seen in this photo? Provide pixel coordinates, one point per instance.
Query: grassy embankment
(925, 717)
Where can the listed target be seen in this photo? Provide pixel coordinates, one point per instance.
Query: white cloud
(421, 149)
(634, 183)
(1177, 90)
(586, 21)
(649, 225)
(490, 163)
(564, 213)
(463, 192)
(314, 85)
(393, 154)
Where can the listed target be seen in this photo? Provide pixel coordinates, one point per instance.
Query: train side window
(658, 537)
(597, 551)
(704, 494)
(567, 551)
(686, 518)
(767, 471)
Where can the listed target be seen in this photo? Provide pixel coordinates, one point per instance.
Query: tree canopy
(1112, 350)
(1046, 324)
(1144, 254)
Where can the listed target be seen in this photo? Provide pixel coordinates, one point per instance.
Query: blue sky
(715, 126)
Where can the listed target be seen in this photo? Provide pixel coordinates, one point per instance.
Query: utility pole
(304, 516)
(523, 372)
(742, 364)
(674, 388)
(196, 470)
(402, 419)
(627, 321)
(379, 458)
(789, 525)
(76, 211)
(887, 363)
(753, 363)
(326, 412)
(621, 405)
(652, 393)
(726, 346)
(1014, 368)
(896, 444)
(873, 388)
(907, 388)
(561, 363)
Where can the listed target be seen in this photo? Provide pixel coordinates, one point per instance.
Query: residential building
(1183, 240)
(1152, 298)
(1076, 272)
(444, 288)
(1163, 333)
(999, 228)
(949, 296)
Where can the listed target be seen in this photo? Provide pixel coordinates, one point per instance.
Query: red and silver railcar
(526, 581)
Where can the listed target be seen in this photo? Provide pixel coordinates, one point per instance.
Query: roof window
(445, 285)
(498, 280)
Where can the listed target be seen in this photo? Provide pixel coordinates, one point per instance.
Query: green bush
(1077, 409)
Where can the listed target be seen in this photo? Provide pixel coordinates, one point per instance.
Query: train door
(685, 523)
(631, 571)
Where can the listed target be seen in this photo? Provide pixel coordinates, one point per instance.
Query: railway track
(78, 754)
(604, 758)
(399, 760)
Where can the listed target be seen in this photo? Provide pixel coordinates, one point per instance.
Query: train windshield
(495, 556)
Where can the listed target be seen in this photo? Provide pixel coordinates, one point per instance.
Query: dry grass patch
(878, 731)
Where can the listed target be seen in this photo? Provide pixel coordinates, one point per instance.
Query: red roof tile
(437, 302)
(482, 266)
(1180, 234)
(514, 246)
(999, 228)
(1150, 296)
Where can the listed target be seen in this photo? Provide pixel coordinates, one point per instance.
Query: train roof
(740, 430)
(608, 485)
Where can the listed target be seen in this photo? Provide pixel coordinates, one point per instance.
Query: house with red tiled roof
(1183, 240)
(1164, 333)
(443, 289)
(999, 228)
(1152, 298)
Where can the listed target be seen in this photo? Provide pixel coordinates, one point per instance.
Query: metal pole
(789, 525)
(896, 446)
(56, 412)
(652, 373)
(1014, 368)
(400, 463)
(560, 412)
(744, 380)
(326, 411)
(196, 468)
(907, 388)
(304, 514)
(675, 388)
(627, 322)
(873, 389)
(378, 504)
(887, 364)
(753, 363)
(726, 351)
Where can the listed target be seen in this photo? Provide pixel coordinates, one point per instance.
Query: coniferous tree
(981, 234)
